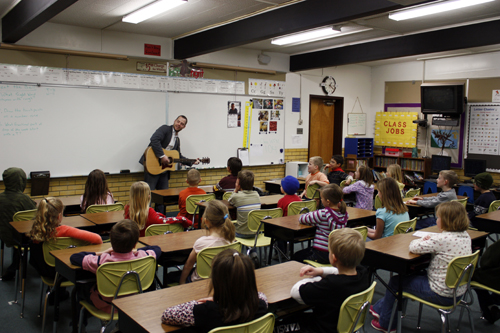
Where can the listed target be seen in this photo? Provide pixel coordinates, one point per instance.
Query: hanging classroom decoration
(356, 122)
(247, 125)
(396, 129)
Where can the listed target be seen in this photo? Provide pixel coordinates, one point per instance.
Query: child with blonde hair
(393, 209)
(363, 187)
(394, 171)
(96, 191)
(193, 179)
(453, 241)
(315, 175)
(220, 231)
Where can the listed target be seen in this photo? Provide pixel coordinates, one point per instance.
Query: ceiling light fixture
(433, 8)
(314, 35)
(151, 10)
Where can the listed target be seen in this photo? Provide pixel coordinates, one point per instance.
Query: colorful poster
(484, 130)
(446, 138)
(396, 129)
(233, 114)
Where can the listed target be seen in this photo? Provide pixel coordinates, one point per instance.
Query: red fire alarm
(152, 49)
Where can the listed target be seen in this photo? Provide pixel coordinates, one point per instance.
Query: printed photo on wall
(263, 115)
(278, 104)
(268, 104)
(275, 115)
(233, 114)
(273, 127)
(263, 127)
(257, 103)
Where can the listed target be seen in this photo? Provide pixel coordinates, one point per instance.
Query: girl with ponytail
(235, 298)
(220, 231)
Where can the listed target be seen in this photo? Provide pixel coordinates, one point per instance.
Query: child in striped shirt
(333, 216)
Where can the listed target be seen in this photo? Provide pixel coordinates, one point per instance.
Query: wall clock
(329, 85)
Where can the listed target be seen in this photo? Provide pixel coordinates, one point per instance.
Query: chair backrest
(405, 226)
(117, 206)
(412, 192)
(430, 187)
(24, 215)
(460, 270)
(264, 324)
(59, 243)
(343, 184)
(462, 201)
(122, 278)
(378, 203)
(301, 207)
(468, 191)
(205, 257)
(363, 230)
(160, 229)
(353, 310)
(257, 215)
(192, 200)
(495, 205)
(227, 195)
(312, 191)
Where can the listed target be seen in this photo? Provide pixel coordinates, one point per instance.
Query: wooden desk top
(24, 227)
(71, 200)
(63, 255)
(493, 216)
(174, 242)
(174, 192)
(105, 217)
(146, 309)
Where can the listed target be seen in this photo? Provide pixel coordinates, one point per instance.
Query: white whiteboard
(207, 135)
(356, 123)
(71, 131)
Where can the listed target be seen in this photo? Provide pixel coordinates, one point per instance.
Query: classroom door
(325, 126)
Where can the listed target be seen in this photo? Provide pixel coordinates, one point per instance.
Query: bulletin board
(356, 123)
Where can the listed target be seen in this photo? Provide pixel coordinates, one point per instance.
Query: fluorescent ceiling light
(434, 8)
(314, 35)
(151, 10)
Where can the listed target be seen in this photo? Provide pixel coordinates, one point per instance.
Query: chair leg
(471, 321)
(80, 321)
(443, 322)
(41, 299)
(393, 313)
(420, 306)
(45, 309)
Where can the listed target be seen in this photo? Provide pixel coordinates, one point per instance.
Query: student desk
(392, 254)
(142, 313)
(170, 196)
(274, 185)
(104, 220)
(72, 273)
(288, 228)
(416, 210)
(71, 203)
(489, 222)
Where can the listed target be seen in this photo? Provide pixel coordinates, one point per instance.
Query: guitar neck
(184, 160)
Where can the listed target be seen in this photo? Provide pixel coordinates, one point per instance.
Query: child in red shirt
(193, 179)
(289, 186)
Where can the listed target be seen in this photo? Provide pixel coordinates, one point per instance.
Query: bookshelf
(414, 169)
(352, 162)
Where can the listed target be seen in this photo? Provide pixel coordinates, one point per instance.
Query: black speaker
(40, 181)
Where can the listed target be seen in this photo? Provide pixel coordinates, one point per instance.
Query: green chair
(59, 243)
(227, 195)
(405, 226)
(24, 215)
(378, 202)
(353, 310)
(462, 201)
(104, 208)
(412, 192)
(255, 224)
(495, 205)
(477, 285)
(264, 324)
(121, 278)
(459, 273)
(192, 207)
(301, 207)
(343, 184)
(161, 229)
(205, 257)
(312, 191)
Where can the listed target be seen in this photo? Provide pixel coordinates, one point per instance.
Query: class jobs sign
(396, 129)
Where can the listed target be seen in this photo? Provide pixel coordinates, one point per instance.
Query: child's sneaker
(374, 314)
(376, 326)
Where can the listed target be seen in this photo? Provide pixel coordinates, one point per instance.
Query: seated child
(96, 191)
(482, 184)
(47, 226)
(328, 288)
(124, 236)
(193, 179)
(487, 273)
(245, 199)
(394, 171)
(220, 231)
(445, 181)
(289, 187)
(393, 209)
(230, 304)
(228, 183)
(363, 188)
(315, 175)
(336, 174)
(138, 209)
(333, 216)
(453, 241)
(12, 200)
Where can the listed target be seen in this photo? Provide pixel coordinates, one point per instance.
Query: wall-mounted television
(440, 163)
(474, 167)
(438, 98)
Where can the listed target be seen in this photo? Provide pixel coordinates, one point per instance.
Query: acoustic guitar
(153, 164)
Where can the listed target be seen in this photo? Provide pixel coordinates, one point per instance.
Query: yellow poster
(396, 129)
(247, 124)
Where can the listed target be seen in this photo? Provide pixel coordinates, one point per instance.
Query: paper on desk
(423, 233)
